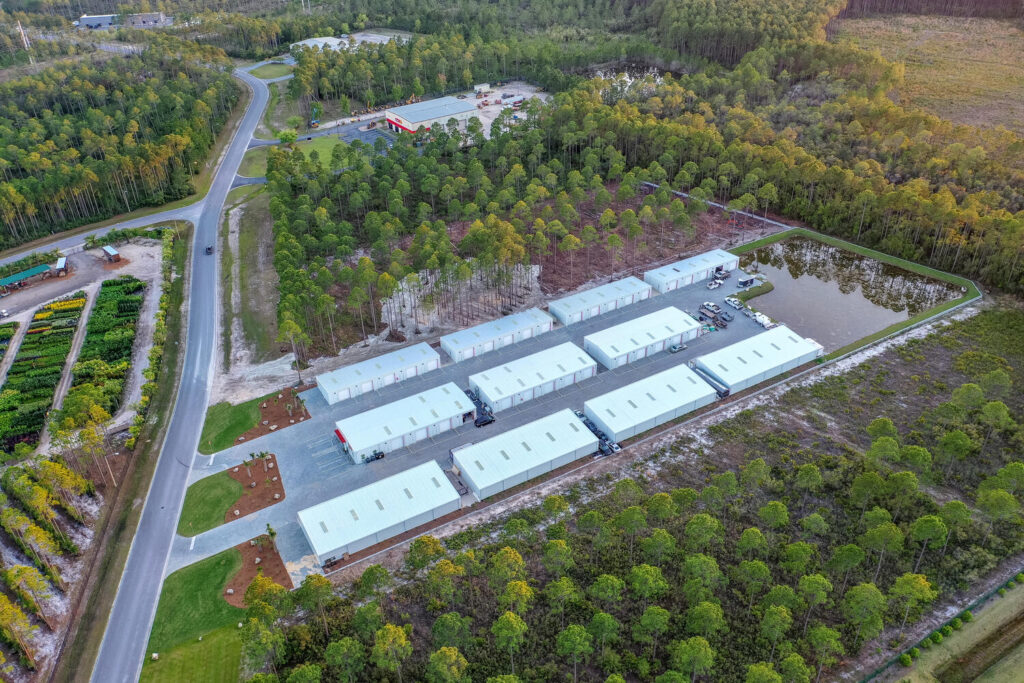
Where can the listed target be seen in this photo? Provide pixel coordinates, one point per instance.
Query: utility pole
(25, 43)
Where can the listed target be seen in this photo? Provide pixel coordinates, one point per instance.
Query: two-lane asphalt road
(127, 631)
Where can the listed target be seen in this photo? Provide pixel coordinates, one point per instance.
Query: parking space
(314, 468)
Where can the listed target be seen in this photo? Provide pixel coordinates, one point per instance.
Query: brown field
(966, 70)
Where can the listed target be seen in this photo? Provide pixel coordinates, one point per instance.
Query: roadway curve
(127, 632)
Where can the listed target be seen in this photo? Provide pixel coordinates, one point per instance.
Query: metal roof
(510, 324)
(404, 416)
(375, 507)
(110, 250)
(650, 397)
(694, 264)
(755, 355)
(24, 275)
(372, 368)
(430, 110)
(600, 295)
(637, 333)
(531, 371)
(521, 449)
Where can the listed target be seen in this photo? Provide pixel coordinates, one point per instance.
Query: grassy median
(225, 423)
(206, 503)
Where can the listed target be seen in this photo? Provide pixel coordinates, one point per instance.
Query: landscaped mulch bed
(274, 414)
(264, 472)
(270, 564)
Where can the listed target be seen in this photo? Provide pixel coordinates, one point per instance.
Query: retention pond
(836, 296)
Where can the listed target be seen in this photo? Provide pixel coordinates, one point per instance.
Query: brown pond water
(836, 296)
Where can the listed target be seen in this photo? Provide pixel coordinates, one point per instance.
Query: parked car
(723, 275)
(615, 447)
(578, 413)
(483, 420)
(209, 249)
(4, 313)
(712, 306)
(604, 448)
(726, 315)
(676, 348)
(734, 302)
(714, 284)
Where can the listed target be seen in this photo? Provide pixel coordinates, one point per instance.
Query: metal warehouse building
(640, 337)
(758, 358)
(426, 114)
(524, 453)
(478, 340)
(404, 422)
(535, 375)
(375, 373)
(693, 269)
(587, 304)
(652, 401)
(378, 511)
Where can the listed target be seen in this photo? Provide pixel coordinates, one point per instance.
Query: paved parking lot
(314, 468)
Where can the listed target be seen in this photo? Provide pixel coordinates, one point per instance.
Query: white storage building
(693, 269)
(587, 304)
(429, 113)
(376, 373)
(758, 358)
(378, 511)
(524, 453)
(478, 340)
(641, 337)
(404, 422)
(532, 376)
(647, 403)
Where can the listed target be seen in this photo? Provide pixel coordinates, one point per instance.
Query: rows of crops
(39, 504)
(28, 393)
(105, 359)
(7, 331)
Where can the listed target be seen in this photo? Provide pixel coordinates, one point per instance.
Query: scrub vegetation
(817, 529)
(966, 71)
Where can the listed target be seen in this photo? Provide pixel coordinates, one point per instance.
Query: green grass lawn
(225, 423)
(206, 503)
(258, 279)
(272, 70)
(217, 659)
(254, 163)
(962, 70)
(191, 604)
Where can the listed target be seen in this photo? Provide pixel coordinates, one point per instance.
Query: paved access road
(127, 632)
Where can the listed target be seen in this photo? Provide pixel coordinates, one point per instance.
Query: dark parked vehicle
(726, 315)
(484, 419)
(209, 249)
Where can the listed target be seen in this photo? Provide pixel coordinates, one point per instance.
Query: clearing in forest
(978, 60)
